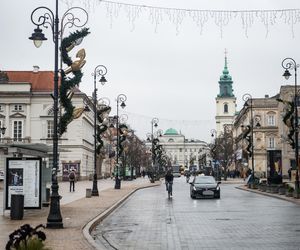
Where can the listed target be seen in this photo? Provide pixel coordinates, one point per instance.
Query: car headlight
(194, 188)
(218, 188)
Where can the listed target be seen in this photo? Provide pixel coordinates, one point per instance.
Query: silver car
(205, 186)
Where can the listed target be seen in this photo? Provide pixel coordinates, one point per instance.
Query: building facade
(182, 151)
(26, 111)
(266, 140)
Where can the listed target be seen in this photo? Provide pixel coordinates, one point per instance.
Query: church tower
(225, 100)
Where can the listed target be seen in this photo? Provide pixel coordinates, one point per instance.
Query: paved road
(239, 220)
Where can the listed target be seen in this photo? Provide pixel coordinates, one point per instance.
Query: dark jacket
(169, 177)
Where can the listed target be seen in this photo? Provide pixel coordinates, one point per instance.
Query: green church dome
(171, 131)
(225, 83)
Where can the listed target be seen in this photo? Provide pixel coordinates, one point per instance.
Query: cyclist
(169, 182)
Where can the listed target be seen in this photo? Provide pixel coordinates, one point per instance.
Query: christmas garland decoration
(101, 127)
(288, 120)
(68, 83)
(122, 137)
(200, 17)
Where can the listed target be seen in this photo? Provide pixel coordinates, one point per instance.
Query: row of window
(16, 107)
(18, 129)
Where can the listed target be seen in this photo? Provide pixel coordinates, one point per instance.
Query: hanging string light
(176, 16)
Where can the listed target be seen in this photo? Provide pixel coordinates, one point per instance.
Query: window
(171, 140)
(180, 150)
(225, 108)
(271, 119)
(18, 107)
(50, 129)
(1, 108)
(271, 142)
(18, 128)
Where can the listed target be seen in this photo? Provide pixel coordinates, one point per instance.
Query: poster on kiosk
(23, 176)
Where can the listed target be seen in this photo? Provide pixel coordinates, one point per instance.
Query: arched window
(225, 108)
(171, 140)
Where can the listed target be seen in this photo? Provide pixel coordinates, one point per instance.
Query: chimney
(266, 96)
(36, 69)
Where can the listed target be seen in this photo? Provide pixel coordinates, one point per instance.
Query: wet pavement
(239, 220)
(77, 212)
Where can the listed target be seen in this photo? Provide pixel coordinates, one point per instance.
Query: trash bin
(16, 207)
(46, 203)
(88, 193)
(118, 183)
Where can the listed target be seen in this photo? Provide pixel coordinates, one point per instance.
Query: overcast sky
(170, 71)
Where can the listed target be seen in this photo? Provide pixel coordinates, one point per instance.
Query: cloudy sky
(166, 65)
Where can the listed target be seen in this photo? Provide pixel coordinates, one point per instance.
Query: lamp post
(154, 123)
(213, 134)
(99, 71)
(250, 129)
(121, 99)
(49, 18)
(246, 98)
(290, 63)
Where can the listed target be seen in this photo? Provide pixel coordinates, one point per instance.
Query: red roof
(40, 81)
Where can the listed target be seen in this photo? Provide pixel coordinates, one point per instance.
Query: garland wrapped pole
(67, 83)
(44, 17)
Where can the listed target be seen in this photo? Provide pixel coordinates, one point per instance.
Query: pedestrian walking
(72, 178)
(290, 173)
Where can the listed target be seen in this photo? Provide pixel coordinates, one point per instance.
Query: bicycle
(169, 189)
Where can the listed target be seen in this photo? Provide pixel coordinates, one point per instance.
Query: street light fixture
(51, 19)
(99, 71)
(290, 63)
(121, 99)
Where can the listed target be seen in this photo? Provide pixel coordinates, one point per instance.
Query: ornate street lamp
(121, 99)
(290, 63)
(48, 18)
(99, 71)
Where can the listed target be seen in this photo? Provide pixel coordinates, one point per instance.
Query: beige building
(272, 152)
(265, 133)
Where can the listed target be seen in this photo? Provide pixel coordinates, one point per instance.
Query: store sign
(23, 176)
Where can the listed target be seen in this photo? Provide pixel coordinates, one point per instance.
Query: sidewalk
(76, 210)
(277, 196)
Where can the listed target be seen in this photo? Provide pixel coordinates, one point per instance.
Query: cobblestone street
(239, 220)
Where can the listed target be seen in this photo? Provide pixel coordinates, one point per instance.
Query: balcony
(9, 140)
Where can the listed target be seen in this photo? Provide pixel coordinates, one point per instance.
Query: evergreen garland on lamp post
(49, 18)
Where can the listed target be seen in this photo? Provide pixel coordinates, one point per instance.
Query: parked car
(205, 186)
(1, 175)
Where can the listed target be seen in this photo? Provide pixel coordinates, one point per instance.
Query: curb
(293, 200)
(87, 228)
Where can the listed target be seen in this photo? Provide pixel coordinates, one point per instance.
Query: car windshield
(204, 180)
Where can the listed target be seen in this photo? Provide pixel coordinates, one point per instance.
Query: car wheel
(192, 196)
(218, 196)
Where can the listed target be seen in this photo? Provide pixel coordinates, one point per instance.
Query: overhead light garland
(221, 18)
